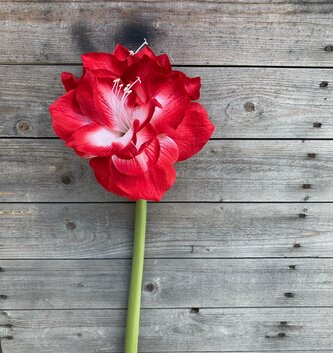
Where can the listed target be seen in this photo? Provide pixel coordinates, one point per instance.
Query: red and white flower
(134, 117)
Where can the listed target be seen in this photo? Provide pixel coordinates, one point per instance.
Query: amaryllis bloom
(134, 118)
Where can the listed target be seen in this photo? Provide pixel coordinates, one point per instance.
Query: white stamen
(118, 100)
(140, 47)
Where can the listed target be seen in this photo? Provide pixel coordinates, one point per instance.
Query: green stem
(134, 296)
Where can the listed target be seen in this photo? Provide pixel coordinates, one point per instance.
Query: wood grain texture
(242, 102)
(46, 170)
(237, 329)
(191, 230)
(180, 283)
(192, 32)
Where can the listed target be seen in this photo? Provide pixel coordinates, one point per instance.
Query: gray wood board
(232, 170)
(192, 32)
(176, 283)
(191, 230)
(237, 329)
(242, 102)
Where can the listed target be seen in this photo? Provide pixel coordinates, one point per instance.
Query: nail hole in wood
(323, 84)
(302, 215)
(3, 296)
(289, 295)
(297, 245)
(292, 267)
(194, 311)
(306, 186)
(70, 226)
(328, 48)
(311, 155)
(317, 125)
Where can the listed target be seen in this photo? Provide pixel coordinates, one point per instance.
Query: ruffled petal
(151, 185)
(139, 164)
(93, 140)
(67, 115)
(103, 61)
(192, 85)
(69, 80)
(194, 131)
(172, 98)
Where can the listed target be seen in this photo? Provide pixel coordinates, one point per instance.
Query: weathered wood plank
(59, 231)
(242, 102)
(46, 170)
(86, 331)
(94, 284)
(257, 33)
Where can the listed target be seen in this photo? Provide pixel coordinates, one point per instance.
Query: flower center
(118, 103)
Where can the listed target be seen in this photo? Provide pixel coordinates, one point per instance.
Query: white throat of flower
(118, 100)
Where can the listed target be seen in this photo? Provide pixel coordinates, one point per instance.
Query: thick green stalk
(134, 296)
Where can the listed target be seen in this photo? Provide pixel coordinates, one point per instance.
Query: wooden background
(239, 254)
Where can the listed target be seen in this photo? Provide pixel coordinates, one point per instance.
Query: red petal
(149, 186)
(145, 136)
(93, 140)
(98, 61)
(172, 97)
(124, 147)
(142, 68)
(192, 85)
(164, 61)
(67, 116)
(139, 164)
(69, 80)
(142, 112)
(169, 151)
(101, 168)
(120, 52)
(85, 97)
(194, 131)
(145, 51)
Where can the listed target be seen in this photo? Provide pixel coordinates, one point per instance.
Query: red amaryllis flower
(134, 117)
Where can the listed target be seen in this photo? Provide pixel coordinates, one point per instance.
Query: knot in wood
(151, 287)
(67, 179)
(23, 126)
(249, 107)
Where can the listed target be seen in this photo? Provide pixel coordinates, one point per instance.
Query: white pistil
(140, 47)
